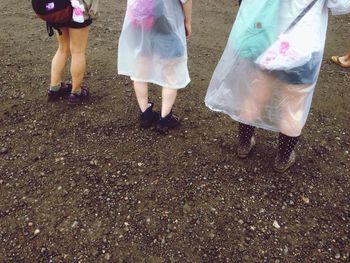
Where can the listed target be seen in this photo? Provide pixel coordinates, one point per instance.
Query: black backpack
(54, 12)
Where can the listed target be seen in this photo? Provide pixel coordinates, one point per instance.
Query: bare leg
(292, 115)
(141, 91)
(254, 102)
(78, 43)
(60, 58)
(168, 100)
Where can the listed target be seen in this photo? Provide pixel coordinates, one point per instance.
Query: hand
(188, 29)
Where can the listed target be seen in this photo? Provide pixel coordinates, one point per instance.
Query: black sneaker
(79, 98)
(281, 165)
(149, 117)
(167, 123)
(243, 150)
(64, 91)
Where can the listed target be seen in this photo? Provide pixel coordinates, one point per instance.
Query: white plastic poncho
(271, 85)
(152, 46)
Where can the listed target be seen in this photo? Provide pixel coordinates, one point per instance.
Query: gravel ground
(85, 184)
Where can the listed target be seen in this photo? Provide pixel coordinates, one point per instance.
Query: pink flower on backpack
(141, 13)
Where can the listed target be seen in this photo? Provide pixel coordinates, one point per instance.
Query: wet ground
(85, 184)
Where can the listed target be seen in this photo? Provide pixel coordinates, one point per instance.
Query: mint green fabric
(255, 28)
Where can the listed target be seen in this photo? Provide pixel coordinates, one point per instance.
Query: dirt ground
(85, 184)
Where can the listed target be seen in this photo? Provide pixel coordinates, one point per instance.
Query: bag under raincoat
(277, 100)
(152, 46)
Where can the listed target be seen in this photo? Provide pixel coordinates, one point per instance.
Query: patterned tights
(286, 144)
(245, 133)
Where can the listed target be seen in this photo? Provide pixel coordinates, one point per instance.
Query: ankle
(165, 114)
(76, 91)
(245, 133)
(55, 87)
(286, 146)
(145, 107)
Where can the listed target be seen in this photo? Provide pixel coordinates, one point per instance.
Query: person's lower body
(72, 40)
(285, 157)
(148, 117)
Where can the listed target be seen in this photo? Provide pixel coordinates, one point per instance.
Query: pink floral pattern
(140, 13)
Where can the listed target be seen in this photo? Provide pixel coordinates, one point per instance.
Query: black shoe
(244, 150)
(149, 117)
(281, 165)
(167, 123)
(79, 98)
(64, 91)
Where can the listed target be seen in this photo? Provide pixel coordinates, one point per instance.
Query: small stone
(337, 256)
(4, 150)
(241, 248)
(93, 162)
(241, 221)
(306, 200)
(75, 224)
(37, 231)
(30, 224)
(276, 225)
(107, 256)
(187, 208)
(94, 252)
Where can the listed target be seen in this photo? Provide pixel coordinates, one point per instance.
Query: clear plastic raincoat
(267, 74)
(152, 46)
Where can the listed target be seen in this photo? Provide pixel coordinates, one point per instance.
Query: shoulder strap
(49, 29)
(301, 15)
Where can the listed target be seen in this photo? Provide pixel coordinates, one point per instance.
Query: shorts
(73, 24)
(304, 74)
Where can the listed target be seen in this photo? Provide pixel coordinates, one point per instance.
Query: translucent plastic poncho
(152, 45)
(267, 73)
